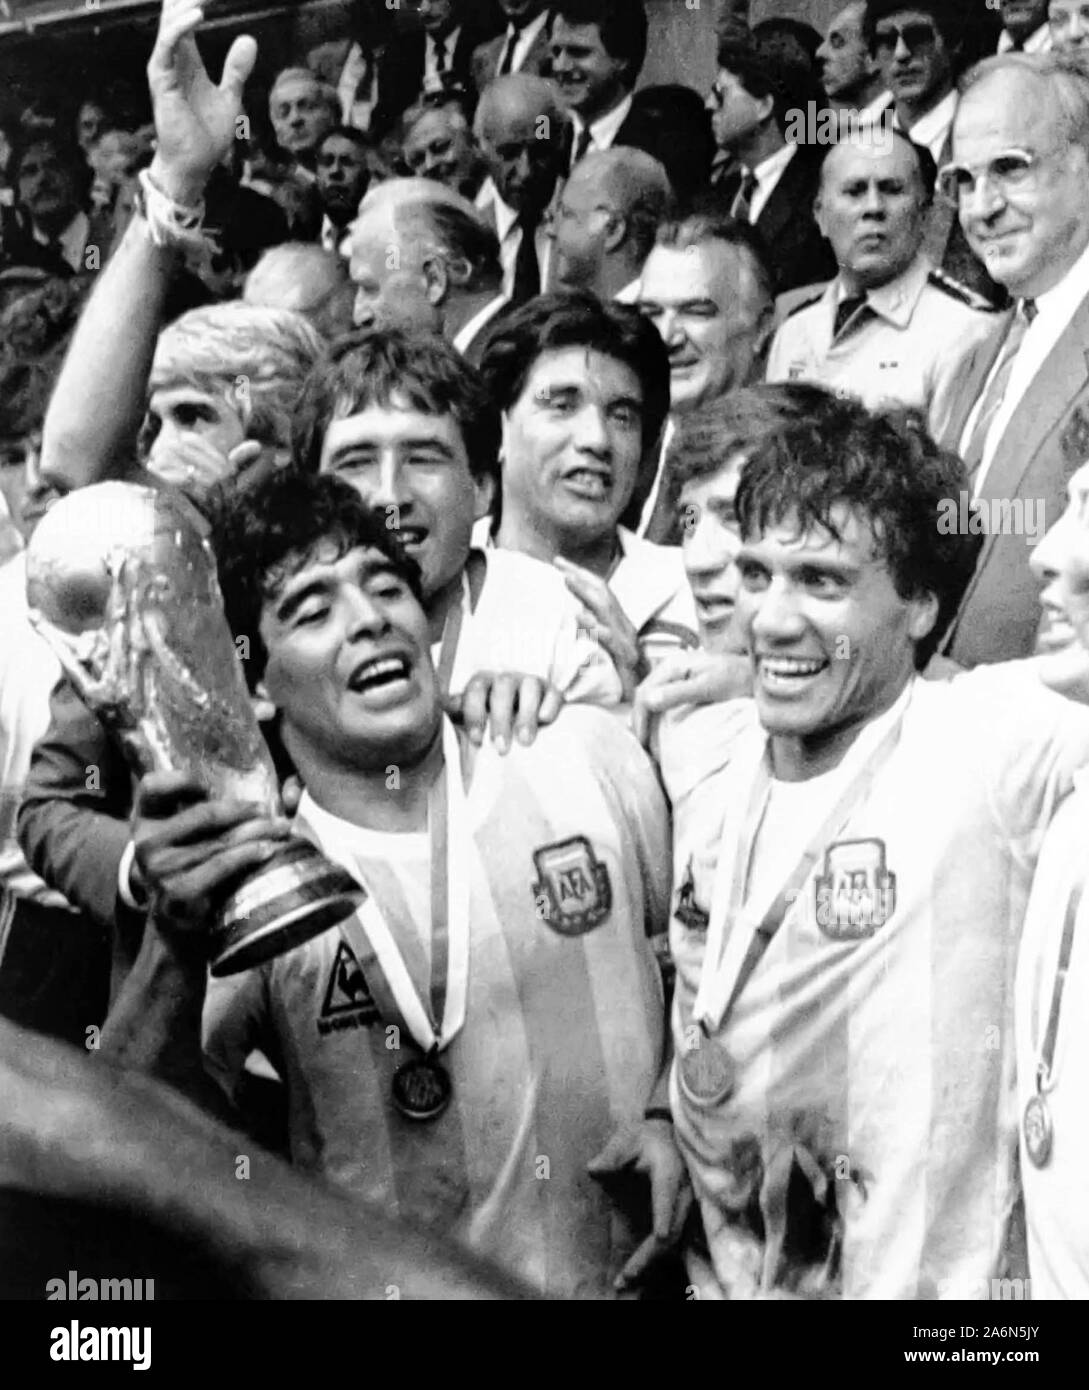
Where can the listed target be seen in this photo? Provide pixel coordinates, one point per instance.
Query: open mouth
(589, 483)
(713, 610)
(789, 675)
(412, 537)
(382, 673)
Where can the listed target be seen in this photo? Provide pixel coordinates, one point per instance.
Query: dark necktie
(741, 206)
(582, 144)
(440, 55)
(846, 311)
(527, 268)
(996, 390)
(506, 63)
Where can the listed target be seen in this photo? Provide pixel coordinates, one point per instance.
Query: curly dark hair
(263, 533)
(368, 368)
(884, 467)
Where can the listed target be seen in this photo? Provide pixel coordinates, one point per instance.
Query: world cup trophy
(122, 585)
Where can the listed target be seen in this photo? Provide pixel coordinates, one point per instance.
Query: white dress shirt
(480, 319)
(72, 242)
(604, 130)
(1037, 42)
(767, 174)
(527, 37)
(505, 220)
(932, 130)
(1054, 311)
(431, 57)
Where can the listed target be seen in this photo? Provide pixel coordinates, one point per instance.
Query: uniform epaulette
(955, 290)
(807, 298)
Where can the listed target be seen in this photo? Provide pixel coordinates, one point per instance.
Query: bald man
(423, 259)
(890, 329)
(608, 214)
(522, 135)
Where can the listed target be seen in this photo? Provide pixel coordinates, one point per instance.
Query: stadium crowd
(654, 525)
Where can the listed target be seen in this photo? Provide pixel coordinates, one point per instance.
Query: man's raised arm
(99, 399)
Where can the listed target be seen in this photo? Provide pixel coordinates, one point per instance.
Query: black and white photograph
(544, 666)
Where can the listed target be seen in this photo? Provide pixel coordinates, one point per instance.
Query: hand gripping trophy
(123, 587)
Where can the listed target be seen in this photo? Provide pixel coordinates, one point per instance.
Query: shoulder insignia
(955, 290)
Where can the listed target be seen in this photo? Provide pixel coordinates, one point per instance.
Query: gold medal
(707, 1073)
(1038, 1131)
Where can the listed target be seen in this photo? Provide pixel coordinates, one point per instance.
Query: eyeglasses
(917, 35)
(1009, 172)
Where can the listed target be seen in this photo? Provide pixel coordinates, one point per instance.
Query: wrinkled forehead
(293, 89)
(1009, 109)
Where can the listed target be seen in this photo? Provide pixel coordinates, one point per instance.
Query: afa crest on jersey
(573, 886)
(856, 893)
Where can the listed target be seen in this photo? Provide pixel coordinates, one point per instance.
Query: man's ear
(767, 108)
(818, 216)
(616, 232)
(436, 279)
(924, 614)
(263, 707)
(483, 495)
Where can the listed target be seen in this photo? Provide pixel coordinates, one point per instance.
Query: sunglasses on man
(917, 35)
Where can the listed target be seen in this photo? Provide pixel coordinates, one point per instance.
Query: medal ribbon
(434, 1028)
(1051, 1037)
(451, 633)
(715, 997)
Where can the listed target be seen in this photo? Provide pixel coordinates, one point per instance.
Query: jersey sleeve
(233, 1025)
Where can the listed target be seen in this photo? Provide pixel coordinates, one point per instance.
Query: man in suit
(751, 102)
(604, 227)
(375, 71)
(851, 78)
(1025, 26)
(1021, 418)
(423, 259)
(514, 114)
(48, 229)
(522, 47)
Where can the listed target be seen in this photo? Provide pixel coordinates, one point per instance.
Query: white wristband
(168, 222)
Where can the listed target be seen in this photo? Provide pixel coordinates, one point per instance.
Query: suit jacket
(484, 64)
(1046, 440)
(797, 253)
(683, 148)
(73, 823)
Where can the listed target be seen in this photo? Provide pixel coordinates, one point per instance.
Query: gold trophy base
(296, 896)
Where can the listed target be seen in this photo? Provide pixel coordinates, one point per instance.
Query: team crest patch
(348, 1001)
(856, 893)
(573, 886)
(687, 910)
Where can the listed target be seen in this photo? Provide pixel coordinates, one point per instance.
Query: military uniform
(902, 345)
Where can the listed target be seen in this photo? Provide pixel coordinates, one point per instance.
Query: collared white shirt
(468, 331)
(1054, 311)
(659, 474)
(332, 237)
(874, 110)
(431, 64)
(489, 201)
(629, 294)
(1037, 42)
(604, 130)
(932, 130)
(356, 109)
(767, 174)
(527, 37)
(72, 241)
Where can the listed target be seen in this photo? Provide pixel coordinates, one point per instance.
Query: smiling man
(889, 329)
(583, 388)
(840, 937)
(497, 998)
(598, 48)
(707, 289)
(1019, 180)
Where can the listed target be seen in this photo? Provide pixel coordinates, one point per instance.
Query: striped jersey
(867, 1146)
(1056, 1199)
(564, 1024)
(526, 621)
